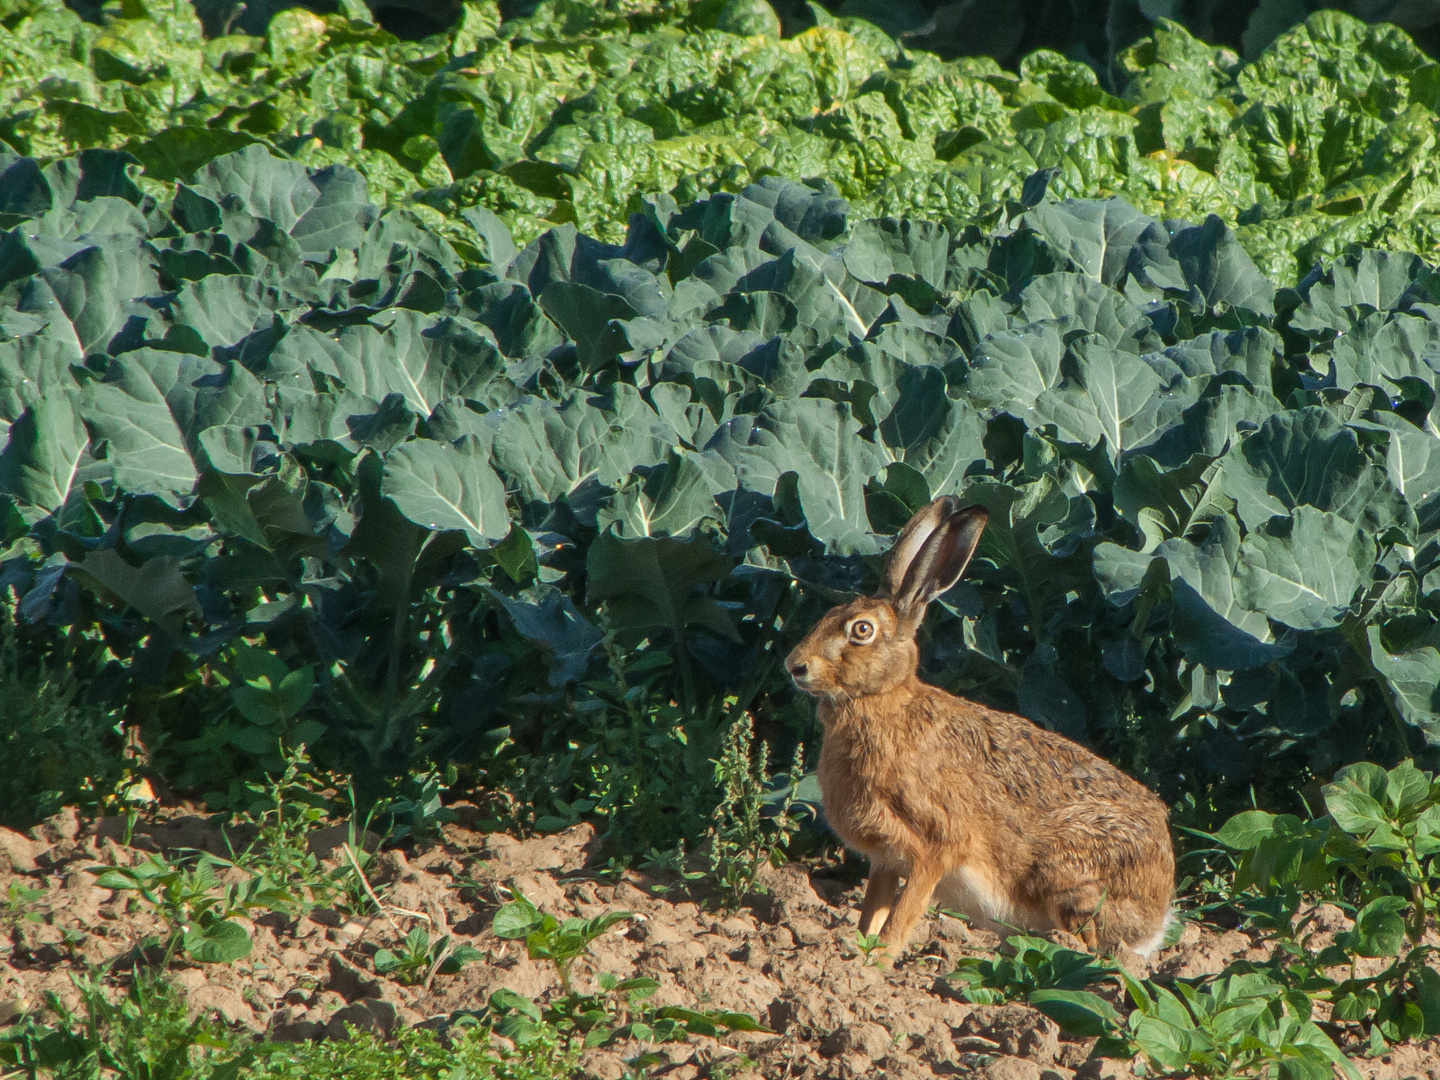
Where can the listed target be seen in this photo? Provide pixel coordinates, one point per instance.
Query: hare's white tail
(1145, 948)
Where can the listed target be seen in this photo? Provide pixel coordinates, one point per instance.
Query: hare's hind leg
(879, 897)
(1079, 910)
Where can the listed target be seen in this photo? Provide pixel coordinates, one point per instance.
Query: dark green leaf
(442, 487)
(517, 919)
(1380, 928)
(217, 942)
(1078, 1012)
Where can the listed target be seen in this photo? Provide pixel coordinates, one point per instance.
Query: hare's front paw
(1066, 940)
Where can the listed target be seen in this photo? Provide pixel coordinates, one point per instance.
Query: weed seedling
(149, 1033)
(417, 812)
(614, 869)
(674, 862)
(869, 945)
(18, 898)
(278, 872)
(417, 958)
(197, 907)
(547, 938)
(1036, 965)
(730, 1067)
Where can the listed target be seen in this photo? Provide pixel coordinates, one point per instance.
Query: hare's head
(868, 646)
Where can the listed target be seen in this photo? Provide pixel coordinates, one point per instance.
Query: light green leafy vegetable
(586, 114)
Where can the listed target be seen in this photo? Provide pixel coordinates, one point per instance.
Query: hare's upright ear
(910, 540)
(931, 553)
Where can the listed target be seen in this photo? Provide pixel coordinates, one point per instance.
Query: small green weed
(276, 871)
(742, 837)
(869, 945)
(196, 905)
(467, 1053)
(1034, 966)
(614, 868)
(286, 811)
(730, 1067)
(18, 898)
(417, 960)
(620, 1009)
(416, 812)
(547, 938)
(633, 756)
(672, 863)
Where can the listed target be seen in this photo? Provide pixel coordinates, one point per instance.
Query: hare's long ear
(909, 542)
(942, 558)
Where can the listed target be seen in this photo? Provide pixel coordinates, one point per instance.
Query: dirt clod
(367, 1015)
(17, 852)
(1013, 1029)
(1009, 1068)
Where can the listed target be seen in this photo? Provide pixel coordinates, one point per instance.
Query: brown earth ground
(787, 958)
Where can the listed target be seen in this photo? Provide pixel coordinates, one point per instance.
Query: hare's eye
(862, 631)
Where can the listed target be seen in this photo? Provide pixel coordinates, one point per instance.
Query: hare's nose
(798, 671)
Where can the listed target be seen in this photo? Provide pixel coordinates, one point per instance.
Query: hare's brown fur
(977, 809)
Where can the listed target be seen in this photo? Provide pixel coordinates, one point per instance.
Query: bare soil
(788, 958)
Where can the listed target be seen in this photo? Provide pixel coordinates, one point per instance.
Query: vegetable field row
(269, 410)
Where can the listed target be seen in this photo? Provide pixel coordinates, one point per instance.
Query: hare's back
(1047, 771)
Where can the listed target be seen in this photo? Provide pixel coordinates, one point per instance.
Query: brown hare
(980, 810)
